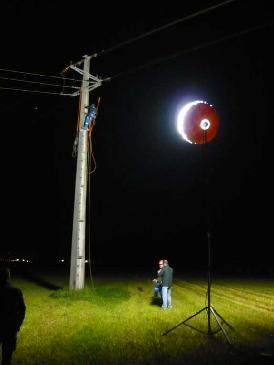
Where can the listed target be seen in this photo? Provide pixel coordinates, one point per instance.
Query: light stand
(208, 308)
(211, 311)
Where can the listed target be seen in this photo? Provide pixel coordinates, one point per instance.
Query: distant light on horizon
(15, 260)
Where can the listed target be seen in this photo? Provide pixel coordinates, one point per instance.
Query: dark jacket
(166, 275)
(12, 309)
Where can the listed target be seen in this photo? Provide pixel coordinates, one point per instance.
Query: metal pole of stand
(208, 307)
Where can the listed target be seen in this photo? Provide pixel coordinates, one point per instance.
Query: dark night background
(148, 192)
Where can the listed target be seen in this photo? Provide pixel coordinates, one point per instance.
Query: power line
(40, 75)
(149, 33)
(168, 25)
(137, 68)
(149, 64)
(37, 82)
(35, 91)
(189, 50)
(144, 35)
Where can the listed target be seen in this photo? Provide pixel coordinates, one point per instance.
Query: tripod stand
(211, 311)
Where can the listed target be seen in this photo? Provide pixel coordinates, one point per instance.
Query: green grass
(116, 323)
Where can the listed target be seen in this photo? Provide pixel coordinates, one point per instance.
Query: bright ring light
(198, 122)
(205, 124)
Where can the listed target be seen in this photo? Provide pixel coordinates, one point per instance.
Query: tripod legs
(184, 321)
(217, 316)
(209, 331)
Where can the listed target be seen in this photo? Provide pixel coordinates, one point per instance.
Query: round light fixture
(198, 122)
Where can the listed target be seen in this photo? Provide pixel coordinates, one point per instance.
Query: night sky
(148, 194)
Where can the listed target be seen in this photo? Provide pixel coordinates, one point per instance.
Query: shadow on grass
(103, 295)
(157, 301)
(35, 278)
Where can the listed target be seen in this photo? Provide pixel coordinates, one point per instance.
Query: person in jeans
(166, 276)
(157, 290)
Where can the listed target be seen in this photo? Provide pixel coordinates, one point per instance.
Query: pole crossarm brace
(93, 81)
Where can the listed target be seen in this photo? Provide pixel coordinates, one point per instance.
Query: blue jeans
(157, 290)
(166, 295)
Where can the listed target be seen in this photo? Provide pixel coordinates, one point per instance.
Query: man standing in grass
(166, 275)
(12, 314)
(157, 290)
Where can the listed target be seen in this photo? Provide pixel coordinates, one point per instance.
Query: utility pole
(77, 264)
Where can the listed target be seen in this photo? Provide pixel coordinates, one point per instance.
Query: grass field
(114, 321)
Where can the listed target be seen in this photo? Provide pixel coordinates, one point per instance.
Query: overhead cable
(168, 25)
(35, 91)
(37, 82)
(40, 75)
(151, 32)
(189, 50)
